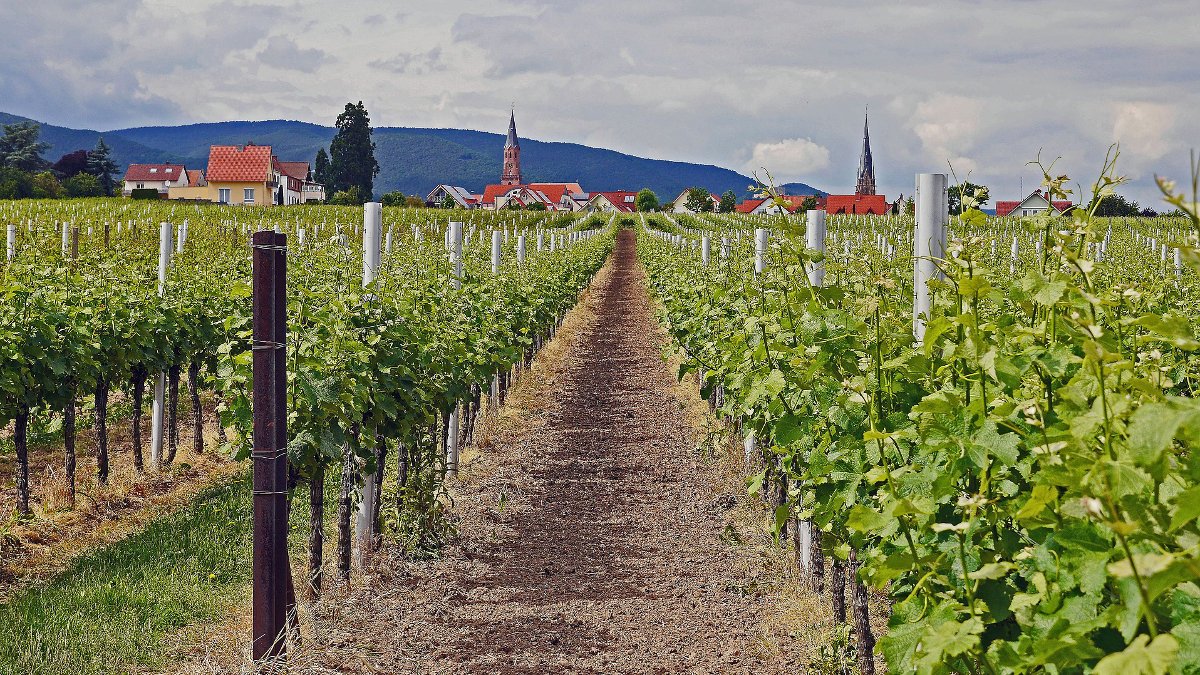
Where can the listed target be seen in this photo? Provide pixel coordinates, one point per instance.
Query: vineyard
(978, 429)
(1018, 478)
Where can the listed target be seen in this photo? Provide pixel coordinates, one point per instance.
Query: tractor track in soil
(589, 539)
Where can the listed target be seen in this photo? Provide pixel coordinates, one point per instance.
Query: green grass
(111, 610)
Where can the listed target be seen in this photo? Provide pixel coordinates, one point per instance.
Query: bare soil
(590, 533)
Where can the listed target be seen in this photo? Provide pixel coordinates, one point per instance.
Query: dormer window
(153, 169)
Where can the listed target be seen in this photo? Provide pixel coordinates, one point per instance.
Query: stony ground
(590, 533)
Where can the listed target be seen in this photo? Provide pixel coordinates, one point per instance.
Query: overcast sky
(781, 85)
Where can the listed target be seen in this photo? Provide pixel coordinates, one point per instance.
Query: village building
(251, 175)
(512, 191)
(617, 201)
(161, 177)
(791, 204)
(1033, 205)
(679, 205)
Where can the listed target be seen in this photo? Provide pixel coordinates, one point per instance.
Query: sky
(982, 86)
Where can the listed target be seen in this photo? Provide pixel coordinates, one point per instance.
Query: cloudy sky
(983, 84)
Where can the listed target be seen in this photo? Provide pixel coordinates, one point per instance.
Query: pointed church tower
(866, 167)
(512, 155)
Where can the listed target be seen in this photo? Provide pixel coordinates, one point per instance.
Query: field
(1011, 490)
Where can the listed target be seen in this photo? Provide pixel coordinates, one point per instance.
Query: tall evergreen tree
(352, 153)
(321, 167)
(101, 165)
(20, 148)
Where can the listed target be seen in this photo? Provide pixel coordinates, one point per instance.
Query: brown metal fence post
(270, 444)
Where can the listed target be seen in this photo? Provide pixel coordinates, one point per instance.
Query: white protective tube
(929, 244)
(372, 227)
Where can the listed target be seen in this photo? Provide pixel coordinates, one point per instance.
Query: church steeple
(512, 154)
(866, 166)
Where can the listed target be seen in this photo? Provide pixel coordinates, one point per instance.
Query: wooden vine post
(269, 456)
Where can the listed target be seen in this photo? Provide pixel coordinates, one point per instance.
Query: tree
(395, 198)
(101, 165)
(536, 206)
(448, 202)
(321, 167)
(20, 148)
(71, 164)
(668, 207)
(809, 203)
(646, 200)
(699, 200)
(46, 186)
(352, 153)
(728, 202)
(976, 197)
(83, 185)
(15, 184)
(1118, 205)
(414, 201)
(350, 197)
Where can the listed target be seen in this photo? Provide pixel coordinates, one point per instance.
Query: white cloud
(975, 83)
(1142, 129)
(789, 159)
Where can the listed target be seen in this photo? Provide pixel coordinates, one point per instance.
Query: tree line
(25, 174)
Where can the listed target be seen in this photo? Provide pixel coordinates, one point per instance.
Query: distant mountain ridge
(412, 160)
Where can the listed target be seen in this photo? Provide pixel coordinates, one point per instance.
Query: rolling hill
(412, 160)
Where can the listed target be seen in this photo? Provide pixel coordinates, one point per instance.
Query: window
(141, 185)
(223, 195)
(248, 196)
(153, 169)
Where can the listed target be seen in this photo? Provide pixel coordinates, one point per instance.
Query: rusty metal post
(269, 456)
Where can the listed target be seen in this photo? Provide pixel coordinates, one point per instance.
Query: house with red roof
(1033, 205)
(617, 201)
(874, 205)
(764, 206)
(251, 175)
(159, 177)
(679, 205)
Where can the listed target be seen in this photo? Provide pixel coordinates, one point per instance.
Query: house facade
(251, 175)
(1033, 205)
(679, 205)
(161, 177)
(617, 201)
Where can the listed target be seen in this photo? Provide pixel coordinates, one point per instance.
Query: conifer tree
(352, 153)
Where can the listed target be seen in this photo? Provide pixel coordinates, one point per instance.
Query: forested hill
(412, 160)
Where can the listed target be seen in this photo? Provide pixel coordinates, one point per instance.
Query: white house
(680, 203)
(159, 177)
(461, 196)
(1034, 204)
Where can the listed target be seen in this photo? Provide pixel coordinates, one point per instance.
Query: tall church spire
(511, 175)
(866, 166)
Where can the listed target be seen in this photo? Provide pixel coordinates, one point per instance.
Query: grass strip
(111, 610)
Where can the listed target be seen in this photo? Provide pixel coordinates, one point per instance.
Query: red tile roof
(555, 191)
(297, 170)
(749, 205)
(148, 172)
(619, 200)
(862, 204)
(195, 177)
(239, 164)
(1006, 207)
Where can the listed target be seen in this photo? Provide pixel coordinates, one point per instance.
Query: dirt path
(590, 532)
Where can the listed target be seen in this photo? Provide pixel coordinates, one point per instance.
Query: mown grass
(112, 609)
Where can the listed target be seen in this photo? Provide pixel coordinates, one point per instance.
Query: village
(252, 175)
